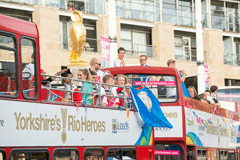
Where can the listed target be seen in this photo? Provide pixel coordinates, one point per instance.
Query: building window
(185, 48)
(217, 14)
(136, 43)
(232, 82)
(87, 6)
(178, 12)
(138, 9)
(232, 20)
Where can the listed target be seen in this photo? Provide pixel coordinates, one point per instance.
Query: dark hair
(93, 73)
(213, 88)
(207, 91)
(121, 49)
(32, 56)
(107, 77)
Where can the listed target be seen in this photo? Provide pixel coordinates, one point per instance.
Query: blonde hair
(194, 90)
(86, 73)
(93, 61)
(118, 76)
(126, 81)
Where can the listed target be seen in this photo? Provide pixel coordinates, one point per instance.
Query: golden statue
(77, 38)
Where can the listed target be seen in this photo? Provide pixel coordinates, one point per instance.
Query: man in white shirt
(95, 66)
(119, 62)
(29, 69)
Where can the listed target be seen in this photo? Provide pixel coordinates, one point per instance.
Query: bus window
(2, 155)
(164, 87)
(121, 154)
(231, 155)
(223, 155)
(93, 154)
(28, 155)
(29, 66)
(201, 154)
(62, 154)
(169, 152)
(8, 66)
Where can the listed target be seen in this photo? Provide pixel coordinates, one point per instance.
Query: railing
(91, 45)
(69, 91)
(135, 50)
(30, 2)
(94, 6)
(232, 59)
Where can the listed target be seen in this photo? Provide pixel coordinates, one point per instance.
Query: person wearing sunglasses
(95, 66)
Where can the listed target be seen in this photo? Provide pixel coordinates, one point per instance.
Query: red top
(18, 26)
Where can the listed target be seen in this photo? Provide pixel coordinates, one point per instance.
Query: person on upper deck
(213, 90)
(95, 66)
(29, 68)
(171, 63)
(207, 96)
(106, 101)
(121, 80)
(143, 60)
(45, 80)
(193, 93)
(119, 62)
(83, 74)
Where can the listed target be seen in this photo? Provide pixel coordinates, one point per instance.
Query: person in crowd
(122, 81)
(67, 74)
(95, 66)
(119, 62)
(193, 93)
(106, 101)
(213, 90)
(207, 97)
(29, 69)
(45, 80)
(171, 63)
(84, 75)
(94, 78)
(143, 60)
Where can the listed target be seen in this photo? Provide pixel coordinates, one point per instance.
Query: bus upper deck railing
(69, 91)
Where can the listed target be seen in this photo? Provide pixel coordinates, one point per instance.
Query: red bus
(43, 122)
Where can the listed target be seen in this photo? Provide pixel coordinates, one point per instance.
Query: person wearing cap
(95, 66)
(119, 62)
(143, 60)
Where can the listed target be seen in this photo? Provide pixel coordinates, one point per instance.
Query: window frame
(99, 148)
(57, 149)
(29, 151)
(177, 91)
(35, 68)
(15, 50)
(119, 148)
(3, 154)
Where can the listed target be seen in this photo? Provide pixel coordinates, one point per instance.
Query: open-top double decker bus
(43, 121)
(200, 131)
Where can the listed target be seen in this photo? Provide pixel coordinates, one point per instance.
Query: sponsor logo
(66, 122)
(1, 122)
(119, 127)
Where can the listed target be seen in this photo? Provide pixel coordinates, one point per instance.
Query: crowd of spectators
(91, 76)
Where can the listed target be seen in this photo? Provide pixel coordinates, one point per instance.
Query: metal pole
(112, 30)
(199, 39)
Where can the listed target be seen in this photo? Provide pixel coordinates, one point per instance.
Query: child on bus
(106, 101)
(122, 81)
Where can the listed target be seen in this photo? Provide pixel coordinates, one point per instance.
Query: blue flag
(185, 91)
(149, 109)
